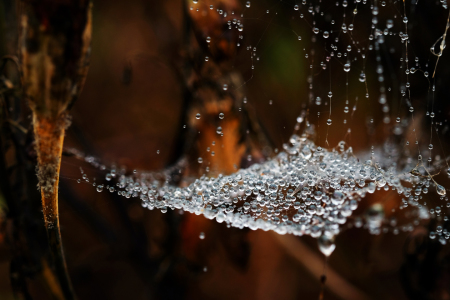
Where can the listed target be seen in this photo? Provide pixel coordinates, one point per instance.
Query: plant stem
(49, 134)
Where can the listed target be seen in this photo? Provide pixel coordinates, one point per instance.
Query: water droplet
(329, 122)
(389, 23)
(200, 160)
(347, 67)
(202, 235)
(219, 130)
(221, 116)
(326, 244)
(362, 77)
(338, 198)
(440, 190)
(326, 34)
(197, 116)
(248, 4)
(225, 87)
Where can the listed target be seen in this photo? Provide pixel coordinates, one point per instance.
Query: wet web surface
(373, 64)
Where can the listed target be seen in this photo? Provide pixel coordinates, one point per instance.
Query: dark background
(115, 249)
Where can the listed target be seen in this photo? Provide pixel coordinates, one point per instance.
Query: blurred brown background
(115, 249)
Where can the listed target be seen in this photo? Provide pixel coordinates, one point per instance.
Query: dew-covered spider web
(365, 68)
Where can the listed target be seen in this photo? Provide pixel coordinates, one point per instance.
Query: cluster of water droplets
(306, 189)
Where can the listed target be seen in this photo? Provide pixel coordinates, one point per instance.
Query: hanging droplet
(329, 122)
(247, 4)
(440, 190)
(197, 116)
(326, 244)
(202, 235)
(326, 34)
(225, 87)
(200, 160)
(374, 216)
(221, 116)
(347, 67)
(362, 77)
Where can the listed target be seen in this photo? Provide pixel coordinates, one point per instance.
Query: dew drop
(440, 190)
(326, 244)
(347, 67)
